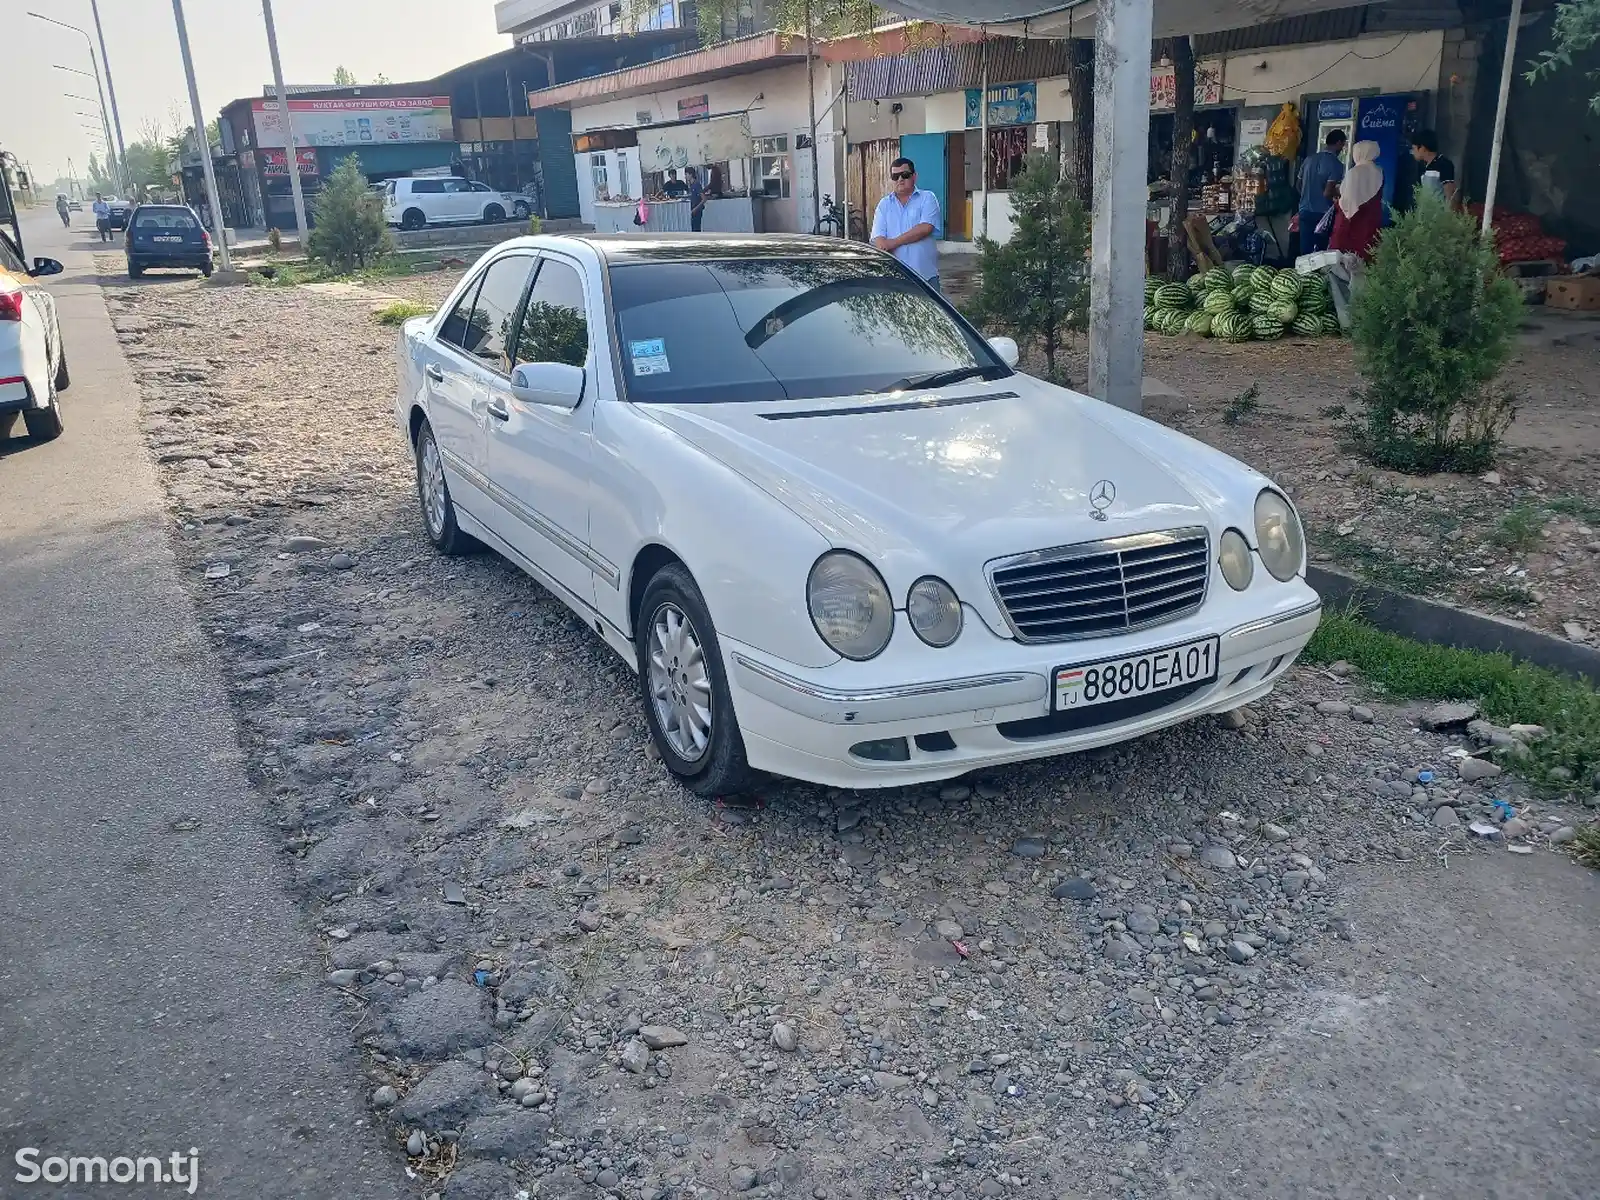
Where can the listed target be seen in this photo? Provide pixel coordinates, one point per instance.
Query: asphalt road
(158, 989)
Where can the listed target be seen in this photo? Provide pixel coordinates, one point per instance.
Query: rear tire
(413, 218)
(433, 494)
(521, 211)
(206, 270)
(44, 424)
(676, 672)
(134, 270)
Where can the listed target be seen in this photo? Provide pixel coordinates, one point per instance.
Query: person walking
(906, 221)
(102, 217)
(1359, 216)
(697, 198)
(63, 210)
(1319, 175)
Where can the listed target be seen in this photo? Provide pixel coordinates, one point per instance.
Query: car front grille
(1099, 588)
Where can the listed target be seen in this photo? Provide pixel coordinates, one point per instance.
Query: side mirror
(1006, 348)
(46, 266)
(557, 385)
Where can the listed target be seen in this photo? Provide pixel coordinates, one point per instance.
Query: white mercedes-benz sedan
(836, 534)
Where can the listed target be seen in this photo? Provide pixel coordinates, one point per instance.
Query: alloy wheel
(680, 684)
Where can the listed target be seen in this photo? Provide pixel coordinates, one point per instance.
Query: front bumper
(803, 724)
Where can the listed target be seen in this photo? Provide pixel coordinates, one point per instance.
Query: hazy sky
(403, 39)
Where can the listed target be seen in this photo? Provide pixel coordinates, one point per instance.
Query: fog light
(883, 750)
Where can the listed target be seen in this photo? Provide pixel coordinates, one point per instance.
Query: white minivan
(448, 199)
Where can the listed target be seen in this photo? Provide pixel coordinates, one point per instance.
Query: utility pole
(205, 142)
(118, 174)
(122, 150)
(811, 107)
(1506, 64)
(291, 152)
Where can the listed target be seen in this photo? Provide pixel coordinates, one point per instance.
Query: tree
(1080, 88)
(99, 176)
(343, 76)
(1181, 51)
(1433, 325)
(1036, 286)
(348, 231)
(1576, 30)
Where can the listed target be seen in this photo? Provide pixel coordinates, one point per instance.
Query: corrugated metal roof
(958, 65)
(1337, 25)
(736, 57)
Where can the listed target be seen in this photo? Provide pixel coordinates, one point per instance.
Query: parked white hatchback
(448, 199)
(837, 536)
(33, 361)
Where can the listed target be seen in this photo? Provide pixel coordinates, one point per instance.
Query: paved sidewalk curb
(1428, 621)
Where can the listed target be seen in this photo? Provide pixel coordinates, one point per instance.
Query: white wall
(1388, 62)
(911, 119)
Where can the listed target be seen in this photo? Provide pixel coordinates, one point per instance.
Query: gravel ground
(561, 967)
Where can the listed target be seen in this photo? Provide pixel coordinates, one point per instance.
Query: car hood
(945, 481)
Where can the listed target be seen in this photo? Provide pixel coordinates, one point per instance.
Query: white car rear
(33, 364)
(448, 200)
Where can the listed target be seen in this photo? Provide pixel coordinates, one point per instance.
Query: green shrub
(1434, 323)
(535, 225)
(1036, 286)
(398, 312)
(349, 230)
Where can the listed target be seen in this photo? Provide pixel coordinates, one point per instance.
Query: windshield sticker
(649, 356)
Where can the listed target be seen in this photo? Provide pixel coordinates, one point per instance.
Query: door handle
(434, 372)
(498, 411)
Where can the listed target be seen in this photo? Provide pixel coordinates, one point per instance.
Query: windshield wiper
(934, 379)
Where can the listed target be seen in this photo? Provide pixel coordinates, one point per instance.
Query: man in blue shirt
(1318, 174)
(102, 217)
(906, 221)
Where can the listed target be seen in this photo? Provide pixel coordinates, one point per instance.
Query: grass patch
(1378, 565)
(1580, 507)
(1520, 529)
(295, 273)
(1246, 404)
(1495, 591)
(1586, 847)
(1508, 692)
(400, 311)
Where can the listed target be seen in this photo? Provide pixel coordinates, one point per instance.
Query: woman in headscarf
(1359, 213)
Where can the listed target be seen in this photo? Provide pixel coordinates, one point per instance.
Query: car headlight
(1236, 561)
(1279, 539)
(934, 611)
(850, 605)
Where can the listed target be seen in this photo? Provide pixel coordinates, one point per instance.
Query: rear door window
(427, 187)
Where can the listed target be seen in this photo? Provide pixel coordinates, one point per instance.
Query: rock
(1340, 669)
(1274, 833)
(1030, 847)
(447, 1095)
(1526, 733)
(949, 930)
(662, 1037)
(525, 1087)
(1143, 923)
(439, 1021)
(1563, 835)
(514, 1133)
(1233, 719)
(1362, 714)
(636, 1056)
(1241, 952)
(1218, 858)
(784, 1038)
(1076, 888)
(385, 1097)
(1444, 817)
(1574, 631)
(1121, 949)
(416, 1143)
(454, 893)
(1449, 716)
(1294, 882)
(526, 983)
(1474, 769)
(743, 1179)
(303, 544)
(1333, 708)
(589, 920)
(991, 1187)
(1514, 828)
(341, 561)
(1490, 477)
(479, 1180)
(347, 977)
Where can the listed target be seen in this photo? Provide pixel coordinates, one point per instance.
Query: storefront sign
(356, 122)
(1009, 104)
(694, 106)
(1164, 85)
(275, 162)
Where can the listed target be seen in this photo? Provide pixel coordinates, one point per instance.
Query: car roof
(172, 207)
(678, 247)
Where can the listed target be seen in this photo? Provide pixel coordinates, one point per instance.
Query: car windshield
(718, 331)
(164, 218)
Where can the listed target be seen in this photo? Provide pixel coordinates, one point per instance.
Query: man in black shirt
(674, 187)
(1425, 149)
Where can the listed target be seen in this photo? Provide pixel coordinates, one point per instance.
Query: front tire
(685, 691)
(413, 219)
(63, 378)
(493, 215)
(433, 493)
(521, 212)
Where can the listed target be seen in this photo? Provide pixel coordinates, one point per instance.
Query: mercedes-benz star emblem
(1100, 497)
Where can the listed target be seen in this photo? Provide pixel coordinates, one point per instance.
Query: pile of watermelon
(1241, 303)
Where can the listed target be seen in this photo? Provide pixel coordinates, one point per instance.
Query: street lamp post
(291, 152)
(117, 165)
(203, 141)
(111, 87)
(101, 103)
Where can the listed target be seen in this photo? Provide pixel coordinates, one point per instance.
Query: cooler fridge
(1390, 121)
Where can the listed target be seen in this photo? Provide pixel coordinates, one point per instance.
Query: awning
(1053, 19)
(722, 61)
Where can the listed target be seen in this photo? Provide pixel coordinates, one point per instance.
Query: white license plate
(165, 238)
(1137, 675)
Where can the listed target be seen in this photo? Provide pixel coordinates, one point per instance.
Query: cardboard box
(1578, 292)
